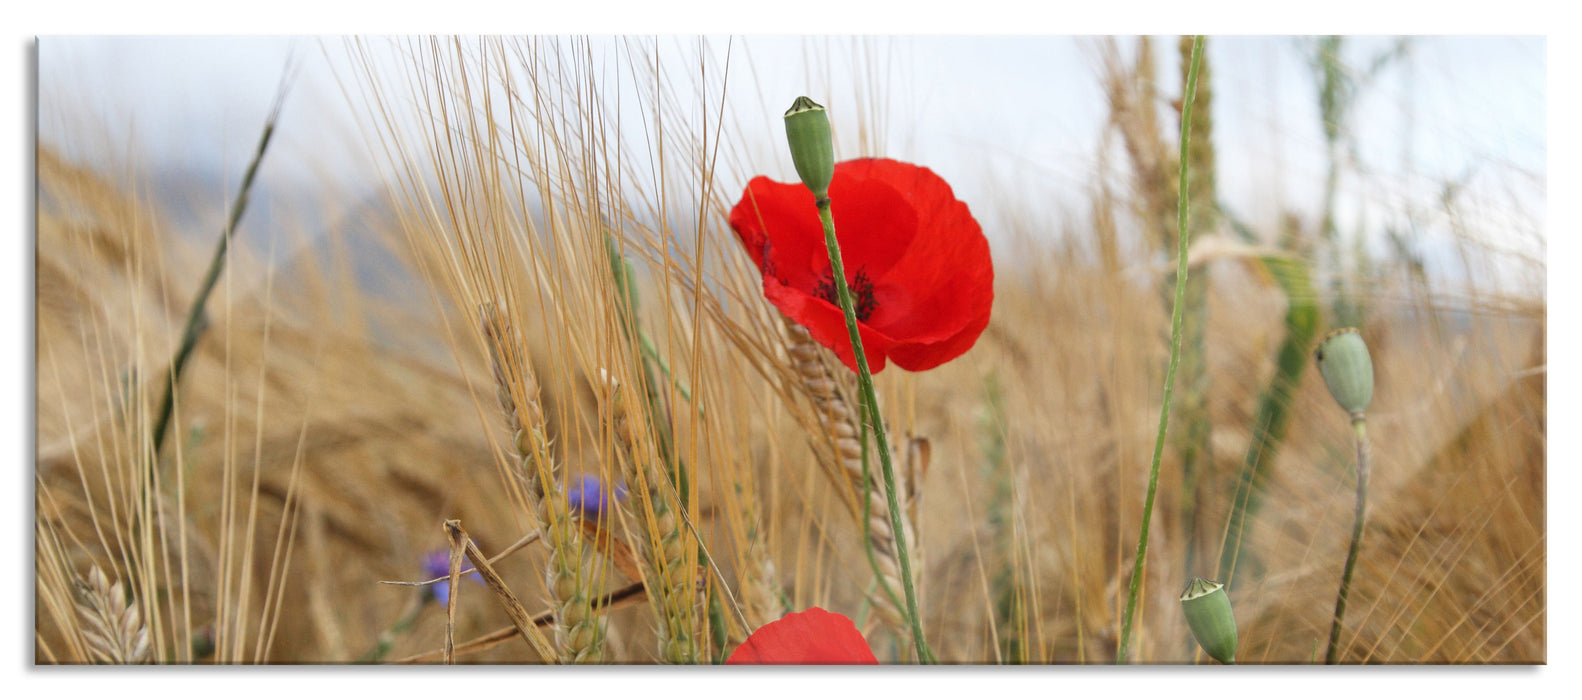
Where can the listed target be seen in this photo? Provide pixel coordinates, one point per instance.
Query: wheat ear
(762, 600)
(579, 636)
(840, 422)
(671, 579)
(115, 632)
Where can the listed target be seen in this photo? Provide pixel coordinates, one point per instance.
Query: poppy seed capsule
(812, 147)
(1207, 610)
(1348, 370)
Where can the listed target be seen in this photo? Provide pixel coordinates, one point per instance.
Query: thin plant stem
(652, 353)
(1183, 236)
(871, 401)
(879, 584)
(197, 320)
(1193, 445)
(1360, 426)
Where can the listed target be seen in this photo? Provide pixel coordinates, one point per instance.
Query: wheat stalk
(115, 632)
(762, 601)
(672, 586)
(578, 635)
(839, 420)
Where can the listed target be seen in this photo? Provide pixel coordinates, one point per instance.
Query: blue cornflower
(590, 497)
(437, 564)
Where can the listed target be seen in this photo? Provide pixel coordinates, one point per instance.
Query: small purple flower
(437, 564)
(590, 497)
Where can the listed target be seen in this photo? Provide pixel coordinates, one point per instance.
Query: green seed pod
(812, 147)
(1348, 370)
(1207, 609)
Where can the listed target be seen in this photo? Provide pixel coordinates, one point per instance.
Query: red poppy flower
(917, 262)
(813, 636)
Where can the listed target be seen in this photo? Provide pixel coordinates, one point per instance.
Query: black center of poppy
(861, 291)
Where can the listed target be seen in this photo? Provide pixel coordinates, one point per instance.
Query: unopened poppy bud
(812, 147)
(1207, 610)
(1348, 370)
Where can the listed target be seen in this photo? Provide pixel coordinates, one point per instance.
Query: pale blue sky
(1015, 123)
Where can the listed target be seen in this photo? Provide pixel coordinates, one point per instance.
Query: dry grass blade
(508, 600)
(457, 553)
(508, 551)
(626, 595)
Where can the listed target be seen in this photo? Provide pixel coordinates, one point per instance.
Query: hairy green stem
(1183, 236)
(1193, 439)
(870, 400)
(1360, 426)
(880, 586)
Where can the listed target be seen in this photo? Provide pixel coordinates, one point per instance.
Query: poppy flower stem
(1183, 236)
(1359, 425)
(870, 402)
(880, 586)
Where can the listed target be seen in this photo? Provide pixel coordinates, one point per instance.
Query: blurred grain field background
(341, 405)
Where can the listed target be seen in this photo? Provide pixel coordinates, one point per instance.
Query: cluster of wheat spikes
(519, 224)
(557, 252)
(115, 632)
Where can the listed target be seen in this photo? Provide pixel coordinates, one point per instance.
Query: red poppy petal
(917, 357)
(963, 297)
(950, 259)
(949, 240)
(874, 221)
(778, 225)
(827, 324)
(813, 636)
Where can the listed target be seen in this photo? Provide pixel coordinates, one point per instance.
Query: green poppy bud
(812, 147)
(1207, 609)
(1348, 370)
